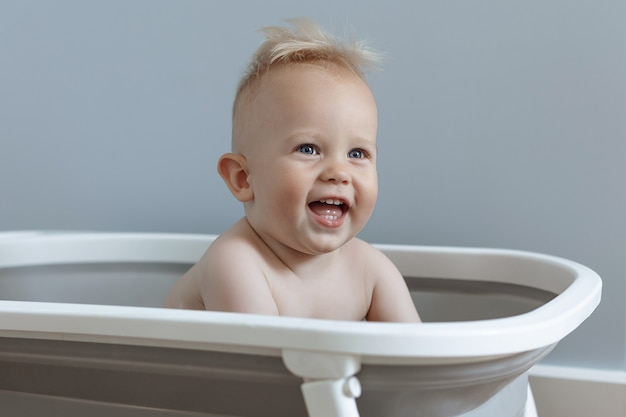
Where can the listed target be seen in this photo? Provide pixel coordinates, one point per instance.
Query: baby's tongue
(323, 209)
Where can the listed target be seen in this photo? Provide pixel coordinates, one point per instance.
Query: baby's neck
(307, 266)
(303, 265)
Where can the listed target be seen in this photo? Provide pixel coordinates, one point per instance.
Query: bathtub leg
(330, 388)
(530, 409)
(332, 398)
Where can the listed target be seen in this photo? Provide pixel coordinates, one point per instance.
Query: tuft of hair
(307, 42)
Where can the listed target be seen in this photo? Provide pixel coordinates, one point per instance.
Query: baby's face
(310, 146)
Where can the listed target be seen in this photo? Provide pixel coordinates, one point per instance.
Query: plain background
(502, 124)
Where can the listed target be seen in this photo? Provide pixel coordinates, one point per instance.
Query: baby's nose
(336, 171)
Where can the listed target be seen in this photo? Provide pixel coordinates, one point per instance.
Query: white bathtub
(81, 333)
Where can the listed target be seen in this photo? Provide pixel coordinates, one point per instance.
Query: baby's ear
(233, 168)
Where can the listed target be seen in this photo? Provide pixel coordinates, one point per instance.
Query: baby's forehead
(284, 77)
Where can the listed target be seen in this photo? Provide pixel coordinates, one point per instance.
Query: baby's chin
(323, 246)
(308, 241)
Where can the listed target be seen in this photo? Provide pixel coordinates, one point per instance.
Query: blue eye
(307, 149)
(356, 153)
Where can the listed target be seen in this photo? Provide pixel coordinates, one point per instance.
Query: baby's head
(283, 48)
(303, 157)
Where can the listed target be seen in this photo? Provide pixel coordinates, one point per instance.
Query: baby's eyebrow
(301, 136)
(367, 142)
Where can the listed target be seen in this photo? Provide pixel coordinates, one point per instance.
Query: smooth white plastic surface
(326, 354)
(577, 286)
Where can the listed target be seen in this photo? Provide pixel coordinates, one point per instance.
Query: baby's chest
(332, 299)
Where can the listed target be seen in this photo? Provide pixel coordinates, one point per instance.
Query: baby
(303, 164)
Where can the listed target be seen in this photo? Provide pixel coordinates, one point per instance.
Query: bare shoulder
(230, 275)
(371, 257)
(391, 299)
(232, 249)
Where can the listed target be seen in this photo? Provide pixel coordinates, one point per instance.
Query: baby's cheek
(289, 194)
(369, 187)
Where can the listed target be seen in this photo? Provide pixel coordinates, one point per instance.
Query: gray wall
(502, 125)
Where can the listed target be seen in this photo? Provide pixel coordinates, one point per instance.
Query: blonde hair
(305, 43)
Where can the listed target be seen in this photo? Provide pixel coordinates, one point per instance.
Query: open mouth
(329, 209)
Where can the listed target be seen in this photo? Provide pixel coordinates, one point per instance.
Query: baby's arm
(391, 299)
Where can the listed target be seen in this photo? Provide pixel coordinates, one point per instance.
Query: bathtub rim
(378, 343)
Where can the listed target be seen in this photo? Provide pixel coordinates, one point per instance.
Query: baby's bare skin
(304, 167)
(257, 281)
